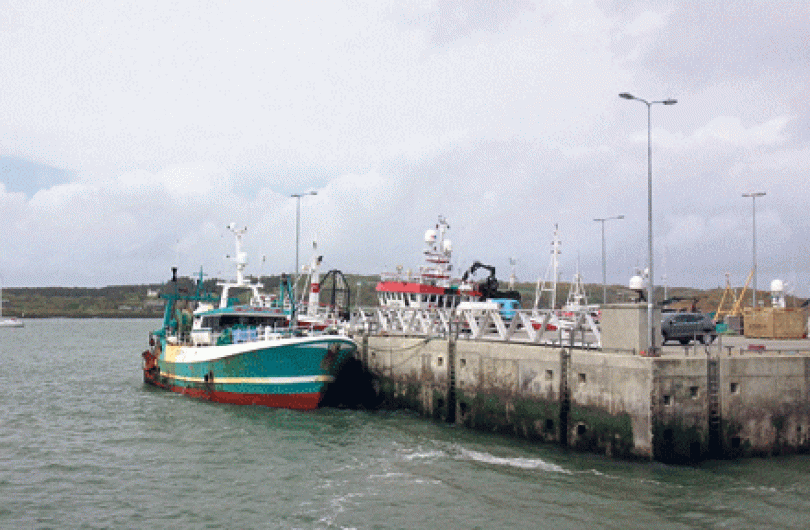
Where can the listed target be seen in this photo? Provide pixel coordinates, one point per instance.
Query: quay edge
(680, 407)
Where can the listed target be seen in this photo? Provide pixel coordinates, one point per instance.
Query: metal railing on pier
(521, 326)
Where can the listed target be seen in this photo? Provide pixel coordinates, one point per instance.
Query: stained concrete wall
(766, 403)
(764, 406)
(680, 406)
(615, 386)
(621, 405)
(516, 389)
(617, 403)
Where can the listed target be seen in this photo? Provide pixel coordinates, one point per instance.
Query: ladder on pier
(565, 392)
(713, 405)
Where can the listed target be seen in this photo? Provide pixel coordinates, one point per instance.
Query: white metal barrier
(529, 326)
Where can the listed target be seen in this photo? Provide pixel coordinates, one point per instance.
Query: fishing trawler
(248, 354)
(576, 304)
(432, 287)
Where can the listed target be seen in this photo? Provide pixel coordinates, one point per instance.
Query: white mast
(240, 258)
(314, 282)
(437, 254)
(512, 277)
(549, 282)
(576, 293)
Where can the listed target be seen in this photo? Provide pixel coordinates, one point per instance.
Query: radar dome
(448, 245)
(637, 283)
(430, 236)
(777, 286)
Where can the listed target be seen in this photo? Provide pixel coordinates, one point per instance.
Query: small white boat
(10, 322)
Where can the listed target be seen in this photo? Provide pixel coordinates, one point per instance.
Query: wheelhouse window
(220, 322)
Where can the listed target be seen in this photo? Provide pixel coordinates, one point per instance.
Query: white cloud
(178, 118)
(730, 130)
(646, 22)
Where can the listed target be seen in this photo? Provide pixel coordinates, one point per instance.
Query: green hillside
(143, 300)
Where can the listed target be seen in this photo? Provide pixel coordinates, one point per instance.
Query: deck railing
(209, 337)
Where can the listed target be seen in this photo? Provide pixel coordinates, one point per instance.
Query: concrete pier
(686, 405)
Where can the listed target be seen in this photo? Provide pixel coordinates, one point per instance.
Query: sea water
(85, 444)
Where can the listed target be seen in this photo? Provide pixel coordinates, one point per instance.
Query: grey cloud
(451, 19)
(706, 40)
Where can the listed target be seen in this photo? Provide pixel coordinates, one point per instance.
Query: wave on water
(457, 452)
(522, 463)
(435, 453)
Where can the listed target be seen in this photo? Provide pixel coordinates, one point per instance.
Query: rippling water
(84, 444)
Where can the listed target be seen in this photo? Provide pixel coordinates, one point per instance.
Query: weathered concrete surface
(681, 413)
(619, 404)
(765, 403)
(624, 328)
(764, 406)
(516, 389)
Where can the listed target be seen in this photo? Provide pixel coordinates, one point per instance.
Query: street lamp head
(313, 192)
(603, 219)
(669, 101)
(627, 95)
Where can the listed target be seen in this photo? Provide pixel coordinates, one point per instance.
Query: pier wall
(763, 406)
(588, 400)
(679, 407)
(766, 403)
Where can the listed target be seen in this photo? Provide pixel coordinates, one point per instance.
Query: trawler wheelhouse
(416, 296)
(239, 324)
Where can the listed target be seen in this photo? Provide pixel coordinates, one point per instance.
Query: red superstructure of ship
(432, 286)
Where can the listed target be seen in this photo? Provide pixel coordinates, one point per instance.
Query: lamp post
(650, 276)
(604, 270)
(297, 197)
(754, 195)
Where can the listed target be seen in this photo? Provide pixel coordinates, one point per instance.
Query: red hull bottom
(280, 401)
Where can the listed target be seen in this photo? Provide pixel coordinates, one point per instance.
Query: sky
(133, 132)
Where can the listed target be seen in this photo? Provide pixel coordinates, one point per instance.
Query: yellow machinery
(719, 315)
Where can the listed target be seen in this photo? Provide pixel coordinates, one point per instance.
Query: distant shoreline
(77, 317)
(143, 301)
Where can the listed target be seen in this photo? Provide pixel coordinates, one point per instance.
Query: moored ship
(247, 354)
(432, 287)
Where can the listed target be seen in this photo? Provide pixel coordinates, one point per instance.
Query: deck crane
(489, 286)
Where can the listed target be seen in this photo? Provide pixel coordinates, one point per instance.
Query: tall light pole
(754, 195)
(604, 270)
(650, 276)
(297, 197)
